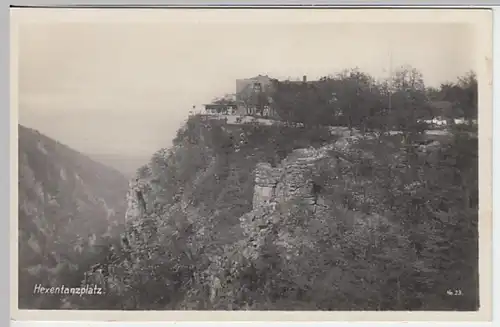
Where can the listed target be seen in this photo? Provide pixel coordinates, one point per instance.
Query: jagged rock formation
(292, 180)
(266, 180)
(276, 191)
(293, 177)
(136, 200)
(238, 226)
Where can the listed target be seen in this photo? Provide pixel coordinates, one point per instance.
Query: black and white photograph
(240, 160)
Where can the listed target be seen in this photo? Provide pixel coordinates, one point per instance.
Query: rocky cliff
(269, 192)
(271, 217)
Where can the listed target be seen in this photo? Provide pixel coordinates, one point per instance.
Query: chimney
(304, 78)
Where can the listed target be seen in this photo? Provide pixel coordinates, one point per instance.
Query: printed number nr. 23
(454, 292)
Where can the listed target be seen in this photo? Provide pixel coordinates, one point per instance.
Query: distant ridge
(126, 164)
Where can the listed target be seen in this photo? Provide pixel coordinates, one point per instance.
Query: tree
(409, 101)
(359, 98)
(290, 101)
(469, 95)
(255, 97)
(462, 95)
(408, 78)
(433, 93)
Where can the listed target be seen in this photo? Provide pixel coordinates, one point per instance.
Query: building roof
(255, 77)
(219, 105)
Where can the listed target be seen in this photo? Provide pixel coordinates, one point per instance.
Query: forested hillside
(288, 217)
(70, 210)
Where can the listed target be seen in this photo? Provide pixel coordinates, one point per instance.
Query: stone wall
(292, 179)
(266, 180)
(296, 180)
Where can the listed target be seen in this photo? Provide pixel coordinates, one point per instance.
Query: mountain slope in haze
(69, 208)
(126, 164)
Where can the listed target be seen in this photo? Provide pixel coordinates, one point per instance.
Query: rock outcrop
(278, 193)
(136, 200)
(292, 178)
(275, 188)
(266, 181)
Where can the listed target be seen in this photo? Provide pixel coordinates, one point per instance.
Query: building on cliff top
(221, 109)
(253, 96)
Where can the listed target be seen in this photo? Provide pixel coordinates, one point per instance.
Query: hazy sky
(126, 88)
